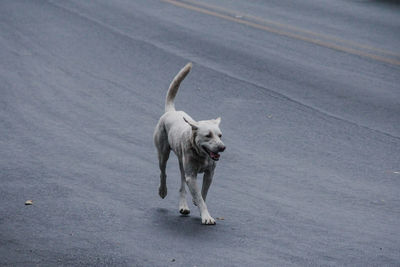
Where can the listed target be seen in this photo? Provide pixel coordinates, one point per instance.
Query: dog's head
(207, 137)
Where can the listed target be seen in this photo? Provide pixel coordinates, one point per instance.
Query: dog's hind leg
(183, 206)
(163, 149)
(163, 158)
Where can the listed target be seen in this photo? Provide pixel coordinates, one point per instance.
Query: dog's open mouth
(213, 155)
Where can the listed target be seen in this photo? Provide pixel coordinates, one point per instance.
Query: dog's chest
(205, 164)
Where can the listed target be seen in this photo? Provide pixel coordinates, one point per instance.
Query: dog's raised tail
(174, 86)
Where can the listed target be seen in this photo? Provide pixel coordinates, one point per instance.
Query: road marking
(239, 18)
(290, 27)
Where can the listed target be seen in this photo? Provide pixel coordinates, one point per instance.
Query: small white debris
(29, 202)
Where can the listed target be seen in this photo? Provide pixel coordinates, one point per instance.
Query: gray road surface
(309, 95)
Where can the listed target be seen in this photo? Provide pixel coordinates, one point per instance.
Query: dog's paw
(162, 191)
(183, 207)
(184, 211)
(208, 220)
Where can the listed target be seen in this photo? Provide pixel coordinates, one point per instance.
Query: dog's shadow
(174, 223)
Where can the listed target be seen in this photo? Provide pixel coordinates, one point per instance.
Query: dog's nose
(222, 148)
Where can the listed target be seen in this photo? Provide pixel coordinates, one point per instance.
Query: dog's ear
(217, 120)
(193, 124)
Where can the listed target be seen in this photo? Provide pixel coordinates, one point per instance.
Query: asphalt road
(309, 95)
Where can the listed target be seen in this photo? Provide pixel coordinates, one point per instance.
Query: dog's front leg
(191, 181)
(207, 179)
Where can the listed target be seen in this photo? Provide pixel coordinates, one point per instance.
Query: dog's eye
(209, 135)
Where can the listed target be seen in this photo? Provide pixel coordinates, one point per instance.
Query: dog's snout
(222, 148)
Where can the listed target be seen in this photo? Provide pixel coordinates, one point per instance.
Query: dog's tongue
(214, 155)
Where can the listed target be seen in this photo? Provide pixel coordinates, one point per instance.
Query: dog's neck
(195, 147)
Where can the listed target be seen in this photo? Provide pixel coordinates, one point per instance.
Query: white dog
(196, 144)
